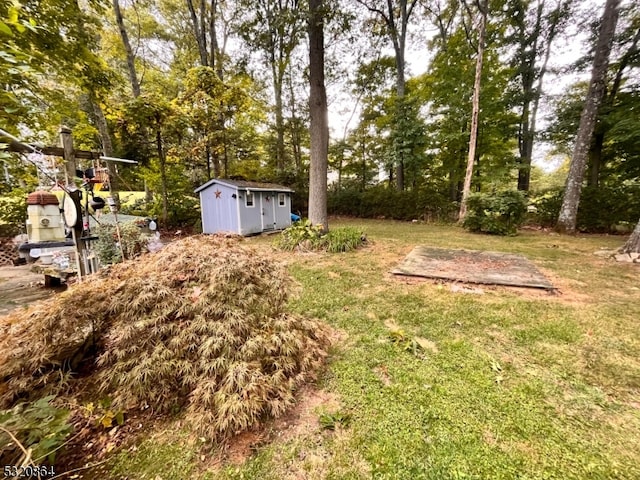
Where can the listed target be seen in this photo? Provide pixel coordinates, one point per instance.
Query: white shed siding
(225, 209)
(219, 209)
(283, 212)
(250, 217)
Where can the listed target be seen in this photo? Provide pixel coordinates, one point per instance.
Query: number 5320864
(27, 471)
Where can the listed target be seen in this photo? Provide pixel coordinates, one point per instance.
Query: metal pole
(78, 253)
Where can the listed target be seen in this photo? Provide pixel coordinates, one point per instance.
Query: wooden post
(66, 141)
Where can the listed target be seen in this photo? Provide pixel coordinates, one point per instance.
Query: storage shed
(244, 207)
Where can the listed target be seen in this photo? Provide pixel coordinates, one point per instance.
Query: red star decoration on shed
(218, 193)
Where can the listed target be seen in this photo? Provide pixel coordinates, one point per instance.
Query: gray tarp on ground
(493, 268)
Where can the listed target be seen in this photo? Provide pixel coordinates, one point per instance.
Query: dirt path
(20, 287)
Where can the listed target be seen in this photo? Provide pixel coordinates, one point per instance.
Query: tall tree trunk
(364, 165)
(475, 112)
(319, 122)
(528, 54)
(225, 152)
(131, 61)
(595, 154)
(163, 176)
(399, 42)
(216, 56)
(633, 244)
(202, 47)
(296, 146)
(277, 90)
(397, 28)
(203, 30)
(107, 145)
(207, 154)
(571, 198)
(595, 160)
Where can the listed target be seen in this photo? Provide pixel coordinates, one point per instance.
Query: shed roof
(245, 185)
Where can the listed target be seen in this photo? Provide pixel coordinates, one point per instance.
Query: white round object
(71, 214)
(153, 226)
(35, 253)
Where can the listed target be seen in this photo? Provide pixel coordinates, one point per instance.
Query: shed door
(268, 206)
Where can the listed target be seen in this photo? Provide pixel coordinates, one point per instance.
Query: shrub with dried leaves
(201, 325)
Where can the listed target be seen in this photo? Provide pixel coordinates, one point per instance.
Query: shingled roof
(245, 185)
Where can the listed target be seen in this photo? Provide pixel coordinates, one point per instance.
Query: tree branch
(376, 10)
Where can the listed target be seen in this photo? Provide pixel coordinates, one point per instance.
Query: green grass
(519, 385)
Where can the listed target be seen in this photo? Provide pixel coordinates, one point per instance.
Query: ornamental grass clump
(304, 236)
(201, 326)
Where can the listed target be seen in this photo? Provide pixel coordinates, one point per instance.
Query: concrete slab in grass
(491, 268)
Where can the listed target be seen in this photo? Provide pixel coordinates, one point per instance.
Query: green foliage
(545, 207)
(305, 236)
(134, 242)
(617, 120)
(496, 213)
(184, 210)
(407, 139)
(331, 421)
(601, 209)
(448, 88)
(137, 207)
(222, 117)
(342, 239)
(301, 234)
(38, 426)
(103, 414)
(13, 213)
(383, 202)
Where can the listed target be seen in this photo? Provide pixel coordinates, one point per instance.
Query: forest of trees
(196, 89)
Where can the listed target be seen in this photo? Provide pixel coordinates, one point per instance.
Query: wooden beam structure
(53, 151)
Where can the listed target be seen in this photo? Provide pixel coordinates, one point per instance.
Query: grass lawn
(514, 384)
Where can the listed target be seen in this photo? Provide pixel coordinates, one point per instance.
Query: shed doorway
(268, 208)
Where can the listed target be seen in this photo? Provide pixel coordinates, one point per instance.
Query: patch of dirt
(19, 287)
(566, 291)
(301, 421)
(382, 372)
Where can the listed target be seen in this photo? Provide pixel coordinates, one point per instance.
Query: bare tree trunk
(571, 198)
(319, 122)
(131, 63)
(528, 150)
(595, 160)
(163, 176)
(633, 244)
(595, 154)
(216, 57)
(107, 146)
(277, 90)
(397, 28)
(202, 47)
(207, 154)
(473, 140)
(296, 141)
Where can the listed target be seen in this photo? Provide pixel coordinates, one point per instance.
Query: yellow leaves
(90, 407)
(107, 419)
